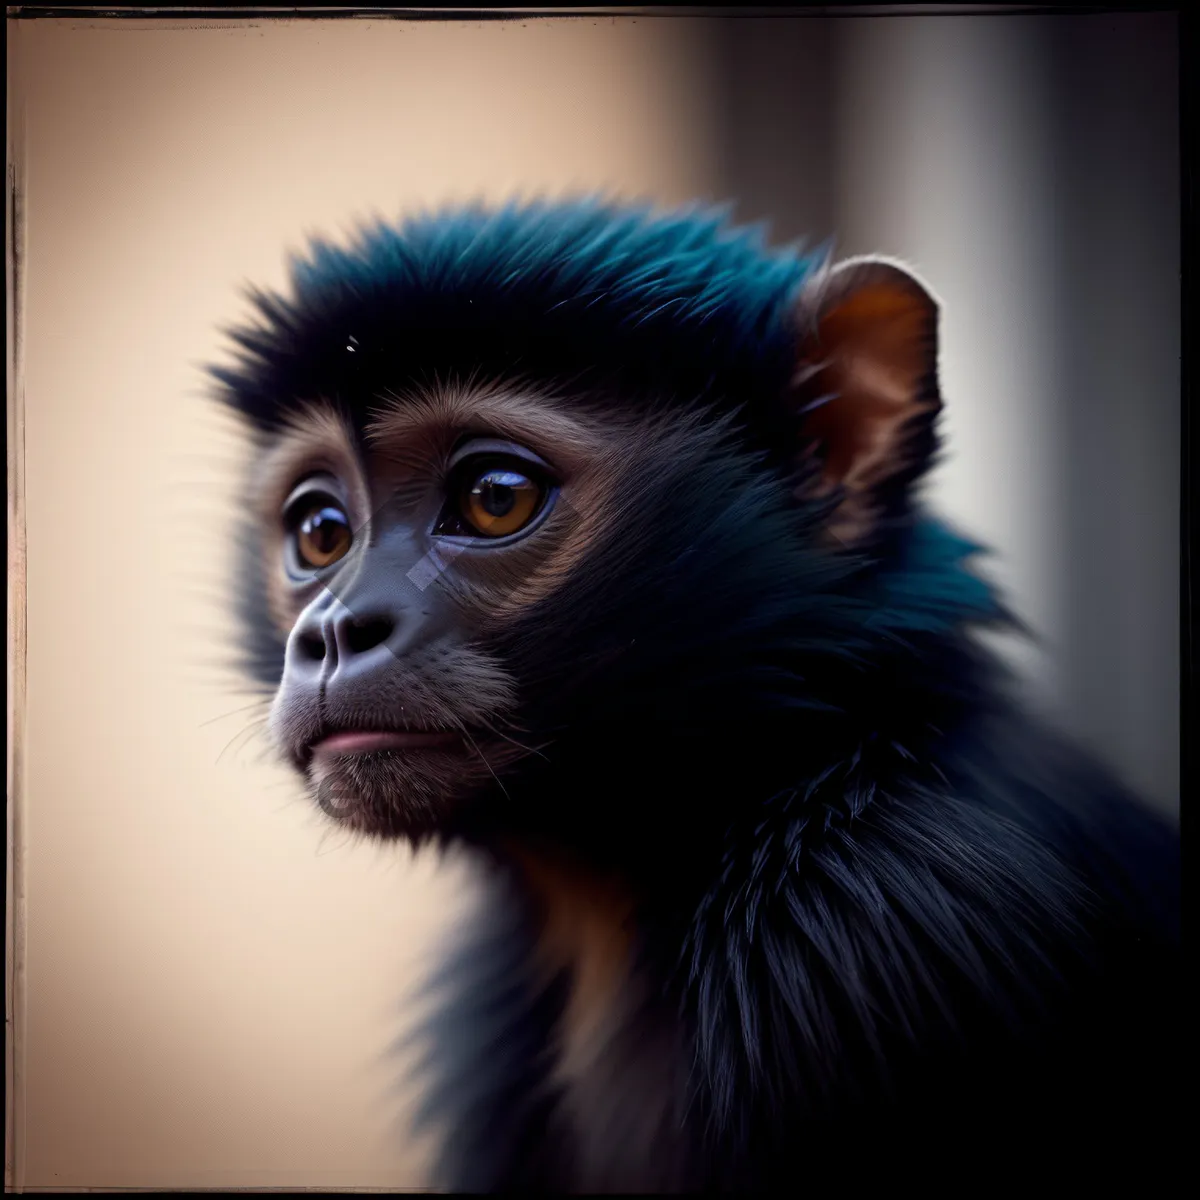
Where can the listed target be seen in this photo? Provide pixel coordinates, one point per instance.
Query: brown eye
(322, 536)
(500, 501)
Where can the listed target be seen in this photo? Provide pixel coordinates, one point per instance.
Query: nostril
(312, 646)
(367, 632)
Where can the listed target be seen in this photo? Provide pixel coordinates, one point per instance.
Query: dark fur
(881, 909)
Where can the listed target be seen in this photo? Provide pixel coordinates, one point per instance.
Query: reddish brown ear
(866, 386)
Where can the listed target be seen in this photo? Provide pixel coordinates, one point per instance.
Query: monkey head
(550, 487)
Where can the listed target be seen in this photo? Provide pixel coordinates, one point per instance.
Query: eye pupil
(325, 529)
(498, 492)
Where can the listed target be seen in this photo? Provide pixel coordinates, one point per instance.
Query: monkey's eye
(493, 498)
(500, 501)
(320, 531)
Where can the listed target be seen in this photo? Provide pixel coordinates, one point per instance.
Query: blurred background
(207, 975)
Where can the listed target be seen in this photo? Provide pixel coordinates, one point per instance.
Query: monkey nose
(355, 635)
(341, 642)
(362, 646)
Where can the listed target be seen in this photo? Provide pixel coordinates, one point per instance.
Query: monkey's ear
(866, 389)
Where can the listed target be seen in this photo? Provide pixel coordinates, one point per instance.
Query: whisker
(245, 708)
(250, 729)
(520, 745)
(487, 764)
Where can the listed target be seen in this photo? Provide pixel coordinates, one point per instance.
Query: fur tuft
(611, 298)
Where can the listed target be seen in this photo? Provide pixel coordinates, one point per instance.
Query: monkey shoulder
(984, 955)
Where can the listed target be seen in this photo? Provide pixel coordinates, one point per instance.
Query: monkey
(584, 537)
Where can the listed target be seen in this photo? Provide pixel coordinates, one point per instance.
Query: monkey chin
(396, 794)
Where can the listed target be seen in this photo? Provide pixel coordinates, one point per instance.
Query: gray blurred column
(774, 140)
(1117, 262)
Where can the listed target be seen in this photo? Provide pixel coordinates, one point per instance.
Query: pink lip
(365, 741)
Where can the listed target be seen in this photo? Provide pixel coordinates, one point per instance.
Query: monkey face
(608, 521)
(414, 568)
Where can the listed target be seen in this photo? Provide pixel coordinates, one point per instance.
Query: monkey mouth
(375, 741)
(368, 741)
(398, 782)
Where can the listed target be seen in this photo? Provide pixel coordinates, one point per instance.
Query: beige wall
(211, 978)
